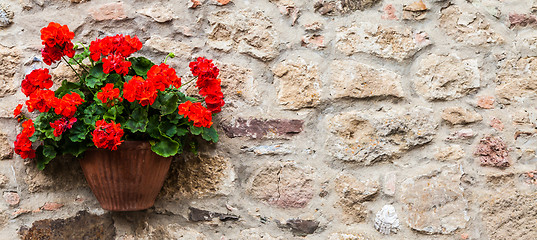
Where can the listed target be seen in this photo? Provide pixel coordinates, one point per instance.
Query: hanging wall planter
(125, 116)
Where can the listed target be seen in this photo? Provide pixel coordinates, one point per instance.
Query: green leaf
(74, 148)
(168, 129)
(66, 88)
(196, 130)
(43, 159)
(141, 65)
(210, 134)
(96, 76)
(78, 132)
(181, 132)
(165, 147)
(93, 113)
(49, 152)
(183, 98)
(138, 121)
(153, 127)
(110, 114)
(166, 102)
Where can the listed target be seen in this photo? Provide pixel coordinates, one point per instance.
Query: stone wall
(343, 117)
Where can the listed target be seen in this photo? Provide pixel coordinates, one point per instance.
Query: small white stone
(386, 221)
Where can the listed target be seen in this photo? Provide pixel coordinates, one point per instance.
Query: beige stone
(385, 42)
(516, 80)
(336, 7)
(510, 215)
(435, 202)
(238, 83)
(446, 77)
(468, 26)
(199, 176)
(6, 151)
(357, 80)
(352, 194)
(249, 32)
(283, 184)
(347, 236)
(369, 137)
(451, 153)
(109, 11)
(9, 63)
(254, 234)
(159, 14)
(459, 115)
(168, 45)
(299, 84)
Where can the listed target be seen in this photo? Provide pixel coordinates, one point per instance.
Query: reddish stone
(389, 11)
(496, 124)
(521, 20)
(493, 152)
(261, 128)
(314, 41)
(12, 198)
(51, 206)
(19, 212)
(486, 102)
(195, 3)
(223, 2)
(110, 11)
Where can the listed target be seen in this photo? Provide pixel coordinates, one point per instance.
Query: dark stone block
(82, 226)
(197, 215)
(260, 128)
(300, 227)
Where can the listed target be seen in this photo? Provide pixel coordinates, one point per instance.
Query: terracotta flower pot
(127, 179)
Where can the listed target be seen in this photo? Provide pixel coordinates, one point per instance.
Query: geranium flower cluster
(23, 145)
(114, 51)
(57, 41)
(196, 113)
(208, 83)
(109, 95)
(107, 135)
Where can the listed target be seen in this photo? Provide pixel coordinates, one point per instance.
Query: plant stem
(78, 75)
(189, 81)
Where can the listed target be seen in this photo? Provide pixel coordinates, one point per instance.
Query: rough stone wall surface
(336, 110)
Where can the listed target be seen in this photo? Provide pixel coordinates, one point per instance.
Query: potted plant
(124, 117)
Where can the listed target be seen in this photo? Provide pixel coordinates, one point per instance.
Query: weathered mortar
(335, 108)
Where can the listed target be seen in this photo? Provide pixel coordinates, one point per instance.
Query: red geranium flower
(120, 45)
(163, 76)
(117, 63)
(17, 111)
(109, 94)
(23, 147)
(107, 135)
(203, 68)
(41, 100)
(61, 125)
(196, 113)
(130, 88)
(57, 41)
(139, 89)
(37, 79)
(66, 106)
(28, 128)
(56, 35)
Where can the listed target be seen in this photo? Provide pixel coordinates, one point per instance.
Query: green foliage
(138, 120)
(96, 76)
(165, 147)
(141, 65)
